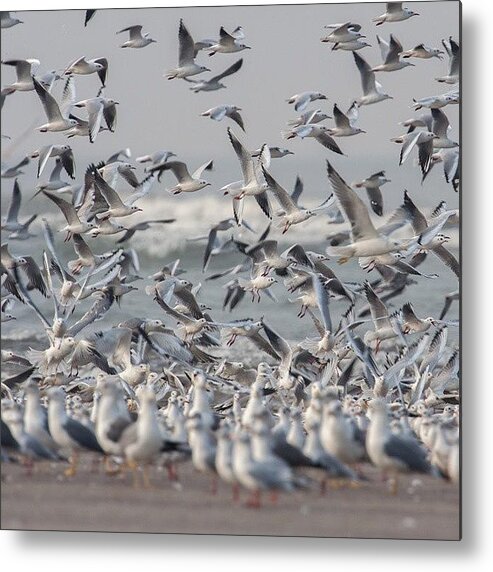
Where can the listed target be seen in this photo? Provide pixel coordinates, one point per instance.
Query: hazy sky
(286, 57)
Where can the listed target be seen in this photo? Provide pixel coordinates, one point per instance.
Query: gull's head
(358, 130)
(409, 12)
(56, 394)
(204, 68)
(73, 122)
(135, 209)
(204, 183)
(112, 102)
(99, 66)
(319, 95)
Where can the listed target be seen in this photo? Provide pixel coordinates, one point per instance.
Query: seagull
(63, 151)
(345, 122)
(23, 70)
(137, 39)
(228, 44)
(116, 207)
(10, 223)
(15, 171)
(220, 111)
(7, 21)
(347, 32)
(372, 90)
(350, 46)
(424, 140)
(340, 436)
(390, 55)
(58, 118)
(97, 108)
(390, 452)
(440, 127)
(156, 158)
(319, 132)
(274, 152)
(394, 13)
(420, 226)
(372, 186)
(142, 226)
(75, 224)
(27, 264)
(82, 66)
(186, 183)
(301, 100)
(436, 101)
(423, 52)
(253, 183)
(214, 83)
(147, 440)
(411, 324)
(70, 435)
(292, 213)
(309, 117)
(366, 240)
(451, 165)
(186, 57)
(453, 52)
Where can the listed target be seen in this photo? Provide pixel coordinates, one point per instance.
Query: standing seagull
(186, 56)
(136, 40)
(69, 434)
(390, 452)
(372, 90)
(394, 13)
(214, 83)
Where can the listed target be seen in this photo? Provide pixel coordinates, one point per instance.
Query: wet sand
(424, 507)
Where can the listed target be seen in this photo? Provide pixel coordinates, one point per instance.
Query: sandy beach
(424, 508)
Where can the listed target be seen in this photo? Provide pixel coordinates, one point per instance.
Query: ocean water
(163, 244)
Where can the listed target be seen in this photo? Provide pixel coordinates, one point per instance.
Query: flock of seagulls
(374, 384)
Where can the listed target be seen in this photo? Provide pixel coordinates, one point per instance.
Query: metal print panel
(230, 267)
